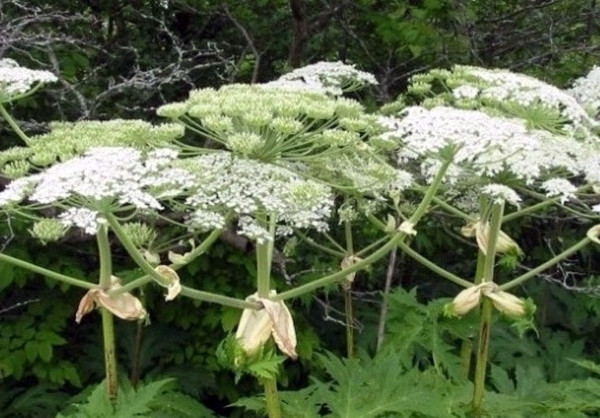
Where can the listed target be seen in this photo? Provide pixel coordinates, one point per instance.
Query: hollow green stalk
(149, 270)
(546, 265)
(108, 328)
(264, 256)
(486, 309)
(13, 124)
(45, 272)
(347, 286)
(466, 349)
(393, 241)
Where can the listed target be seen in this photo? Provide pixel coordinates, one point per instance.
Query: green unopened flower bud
(48, 230)
(338, 138)
(140, 234)
(43, 158)
(218, 123)
(431, 102)
(320, 111)
(16, 169)
(285, 126)
(244, 143)
(257, 118)
(348, 108)
(354, 124)
(419, 88)
(172, 110)
(201, 111)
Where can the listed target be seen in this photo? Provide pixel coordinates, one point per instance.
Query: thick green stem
(530, 209)
(466, 349)
(272, 398)
(395, 239)
(108, 329)
(48, 273)
(349, 312)
(110, 354)
(544, 266)
(15, 127)
(486, 309)
(482, 355)
(220, 299)
(264, 254)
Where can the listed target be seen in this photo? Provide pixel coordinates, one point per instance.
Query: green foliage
(155, 399)
(372, 387)
(423, 336)
(38, 401)
(264, 364)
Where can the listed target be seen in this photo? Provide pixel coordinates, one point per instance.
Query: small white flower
(16, 80)
(224, 183)
(559, 187)
(86, 219)
(586, 91)
(331, 77)
(500, 193)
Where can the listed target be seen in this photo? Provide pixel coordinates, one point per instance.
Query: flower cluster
(103, 179)
(271, 123)
(225, 184)
(480, 144)
(17, 81)
(363, 173)
(517, 95)
(70, 139)
(586, 91)
(329, 77)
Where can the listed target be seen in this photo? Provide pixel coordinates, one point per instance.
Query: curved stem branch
(13, 124)
(48, 273)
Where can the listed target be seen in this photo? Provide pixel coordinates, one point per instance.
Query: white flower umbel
(484, 145)
(224, 183)
(86, 219)
(103, 179)
(517, 95)
(500, 194)
(586, 91)
(17, 81)
(331, 77)
(559, 187)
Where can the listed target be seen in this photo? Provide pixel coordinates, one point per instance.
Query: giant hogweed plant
(514, 137)
(273, 158)
(266, 190)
